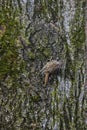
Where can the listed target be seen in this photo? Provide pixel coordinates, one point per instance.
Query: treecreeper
(51, 67)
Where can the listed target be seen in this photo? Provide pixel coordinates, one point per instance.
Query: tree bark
(85, 86)
(86, 50)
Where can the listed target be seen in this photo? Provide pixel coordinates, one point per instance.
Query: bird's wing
(50, 66)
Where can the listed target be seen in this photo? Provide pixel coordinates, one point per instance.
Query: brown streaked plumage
(50, 68)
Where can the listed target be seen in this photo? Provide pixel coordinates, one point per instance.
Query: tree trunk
(85, 87)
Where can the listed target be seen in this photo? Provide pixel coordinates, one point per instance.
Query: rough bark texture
(31, 34)
(85, 87)
(86, 50)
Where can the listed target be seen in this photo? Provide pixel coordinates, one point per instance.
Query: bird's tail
(46, 78)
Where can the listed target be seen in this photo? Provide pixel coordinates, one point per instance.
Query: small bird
(50, 68)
